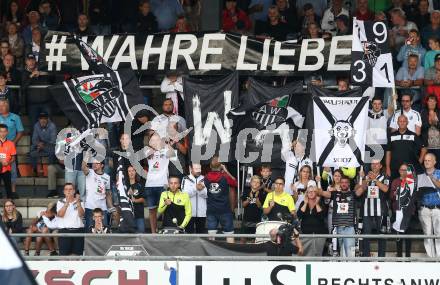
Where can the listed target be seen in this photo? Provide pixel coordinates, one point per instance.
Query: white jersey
(377, 128)
(414, 119)
(157, 175)
(160, 124)
(71, 219)
(96, 187)
(293, 165)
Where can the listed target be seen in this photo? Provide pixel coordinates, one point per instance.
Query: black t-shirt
(138, 192)
(252, 213)
(278, 32)
(265, 183)
(312, 222)
(404, 148)
(274, 249)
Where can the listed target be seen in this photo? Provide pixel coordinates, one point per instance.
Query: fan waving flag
(338, 124)
(372, 63)
(13, 269)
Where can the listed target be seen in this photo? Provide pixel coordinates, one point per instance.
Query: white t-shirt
(96, 187)
(414, 119)
(71, 218)
(293, 165)
(377, 128)
(157, 175)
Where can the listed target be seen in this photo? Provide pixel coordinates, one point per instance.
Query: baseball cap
(30, 56)
(437, 57)
(43, 115)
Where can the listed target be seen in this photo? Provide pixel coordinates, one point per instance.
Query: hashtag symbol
(56, 53)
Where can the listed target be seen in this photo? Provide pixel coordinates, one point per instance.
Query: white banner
(235, 273)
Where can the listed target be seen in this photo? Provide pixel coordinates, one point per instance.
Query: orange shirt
(7, 150)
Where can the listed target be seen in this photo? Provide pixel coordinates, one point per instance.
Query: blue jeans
(88, 218)
(225, 220)
(14, 172)
(153, 196)
(347, 243)
(140, 225)
(78, 179)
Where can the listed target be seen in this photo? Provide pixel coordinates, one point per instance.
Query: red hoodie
(215, 176)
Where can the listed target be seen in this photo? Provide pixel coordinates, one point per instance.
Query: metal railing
(235, 258)
(177, 236)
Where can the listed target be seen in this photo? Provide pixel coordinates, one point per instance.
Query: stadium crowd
(339, 201)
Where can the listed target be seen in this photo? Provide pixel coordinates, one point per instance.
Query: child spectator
(266, 180)
(434, 45)
(136, 193)
(98, 219)
(39, 225)
(7, 157)
(253, 201)
(11, 217)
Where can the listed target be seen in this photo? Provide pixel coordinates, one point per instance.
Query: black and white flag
(272, 114)
(339, 125)
(207, 104)
(106, 96)
(13, 269)
(372, 63)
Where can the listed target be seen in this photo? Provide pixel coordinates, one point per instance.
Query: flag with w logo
(274, 112)
(105, 96)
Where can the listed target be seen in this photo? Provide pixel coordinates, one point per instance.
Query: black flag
(106, 96)
(273, 112)
(207, 104)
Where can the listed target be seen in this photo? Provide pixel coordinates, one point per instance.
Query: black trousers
(6, 177)
(71, 245)
(197, 225)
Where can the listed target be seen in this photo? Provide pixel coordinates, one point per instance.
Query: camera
(288, 230)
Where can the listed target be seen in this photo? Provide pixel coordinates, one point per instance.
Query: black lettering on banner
(348, 280)
(274, 273)
(199, 275)
(416, 282)
(388, 281)
(336, 281)
(376, 280)
(342, 159)
(385, 67)
(322, 281)
(431, 281)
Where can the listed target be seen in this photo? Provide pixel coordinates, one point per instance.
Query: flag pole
(318, 169)
(238, 188)
(360, 177)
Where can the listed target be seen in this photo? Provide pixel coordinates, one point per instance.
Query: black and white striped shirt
(375, 201)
